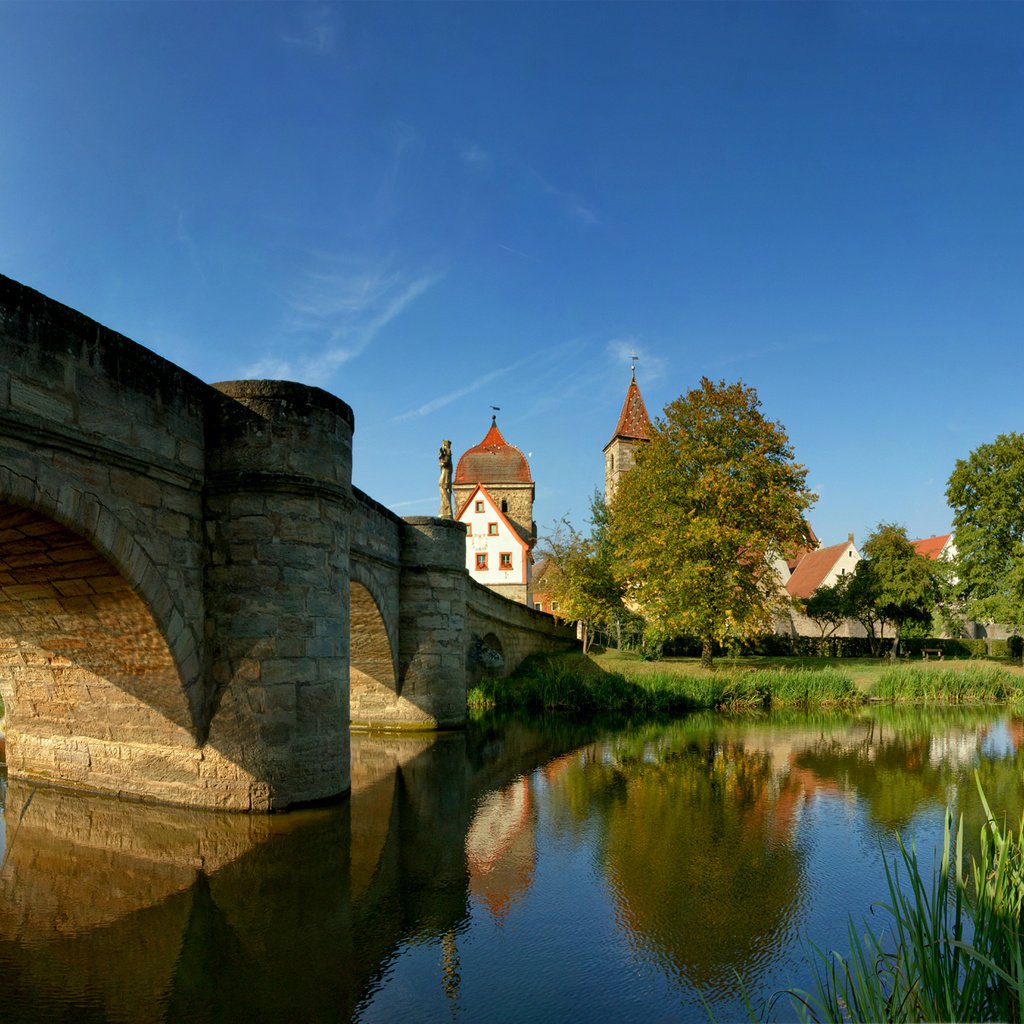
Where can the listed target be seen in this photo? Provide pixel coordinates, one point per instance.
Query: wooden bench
(932, 651)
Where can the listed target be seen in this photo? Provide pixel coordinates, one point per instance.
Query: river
(521, 870)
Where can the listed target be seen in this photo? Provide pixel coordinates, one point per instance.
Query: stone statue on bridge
(444, 483)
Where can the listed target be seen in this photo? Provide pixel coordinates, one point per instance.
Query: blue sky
(430, 209)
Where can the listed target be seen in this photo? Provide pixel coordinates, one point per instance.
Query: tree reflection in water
(699, 833)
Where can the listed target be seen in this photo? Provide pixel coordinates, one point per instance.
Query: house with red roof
(941, 546)
(822, 567)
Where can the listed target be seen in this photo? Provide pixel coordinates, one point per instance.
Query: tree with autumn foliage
(581, 580)
(713, 495)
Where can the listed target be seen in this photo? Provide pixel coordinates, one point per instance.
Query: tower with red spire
(632, 431)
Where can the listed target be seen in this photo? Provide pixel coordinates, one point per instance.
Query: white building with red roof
(941, 546)
(494, 497)
(823, 567)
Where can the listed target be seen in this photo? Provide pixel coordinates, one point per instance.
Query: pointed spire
(634, 423)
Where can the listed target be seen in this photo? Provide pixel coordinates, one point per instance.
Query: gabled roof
(634, 423)
(931, 547)
(793, 557)
(481, 490)
(812, 569)
(493, 461)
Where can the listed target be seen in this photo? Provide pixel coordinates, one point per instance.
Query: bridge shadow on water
(111, 910)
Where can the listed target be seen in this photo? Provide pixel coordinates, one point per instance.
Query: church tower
(632, 430)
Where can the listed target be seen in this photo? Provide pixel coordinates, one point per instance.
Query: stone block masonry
(189, 582)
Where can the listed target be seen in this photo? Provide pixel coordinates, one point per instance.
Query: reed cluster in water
(953, 950)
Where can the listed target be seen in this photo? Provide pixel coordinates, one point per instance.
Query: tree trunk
(705, 653)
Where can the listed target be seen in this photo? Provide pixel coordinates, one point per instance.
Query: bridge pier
(278, 500)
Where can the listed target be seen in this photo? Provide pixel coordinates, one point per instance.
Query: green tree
(906, 583)
(862, 603)
(986, 494)
(582, 580)
(712, 495)
(829, 607)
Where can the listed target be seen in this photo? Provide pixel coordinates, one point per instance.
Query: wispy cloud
(473, 156)
(572, 204)
(515, 252)
(340, 308)
(183, 236)
(439, 403)
(649, 366)
(314, 32)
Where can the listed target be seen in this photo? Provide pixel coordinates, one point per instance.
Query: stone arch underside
(373, 682)
(486, 657)
(92, 689)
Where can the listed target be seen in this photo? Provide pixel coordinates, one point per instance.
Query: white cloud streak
(439, 403)
(342, 310)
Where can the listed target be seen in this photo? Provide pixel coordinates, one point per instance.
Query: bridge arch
(373, 677)
(82, 513)
(87, 677)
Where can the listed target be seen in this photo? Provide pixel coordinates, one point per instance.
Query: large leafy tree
(582, 580)
(712, 495)
(905, 583)
(986, 494)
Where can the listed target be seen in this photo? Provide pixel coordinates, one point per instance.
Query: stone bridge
(195, 602)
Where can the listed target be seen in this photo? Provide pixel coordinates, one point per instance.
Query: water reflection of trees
(700, 866)
(697, 820)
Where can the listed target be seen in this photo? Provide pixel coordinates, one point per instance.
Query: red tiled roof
(813, 568)
(931, 547)
(793, 557)
(493, 461)
(633, 420)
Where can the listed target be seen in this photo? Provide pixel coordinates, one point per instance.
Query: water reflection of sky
(529, 872)
(575, 948)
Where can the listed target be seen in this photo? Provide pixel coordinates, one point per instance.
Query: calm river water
(520, 871)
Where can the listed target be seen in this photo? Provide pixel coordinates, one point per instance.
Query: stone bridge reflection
(120, 911)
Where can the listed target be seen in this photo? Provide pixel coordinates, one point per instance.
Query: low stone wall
(512, 629)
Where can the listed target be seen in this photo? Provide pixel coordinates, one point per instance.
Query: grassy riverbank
(617, 682)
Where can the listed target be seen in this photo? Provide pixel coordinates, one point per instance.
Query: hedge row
(844, 647)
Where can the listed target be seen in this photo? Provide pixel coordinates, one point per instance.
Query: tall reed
(970, 685)
(952, 951)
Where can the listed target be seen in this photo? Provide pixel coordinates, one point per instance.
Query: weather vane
(635, 360)
(494, 414)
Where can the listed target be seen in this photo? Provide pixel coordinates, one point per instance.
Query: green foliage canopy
(986, 494)
(713, 494)
(903, 584)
